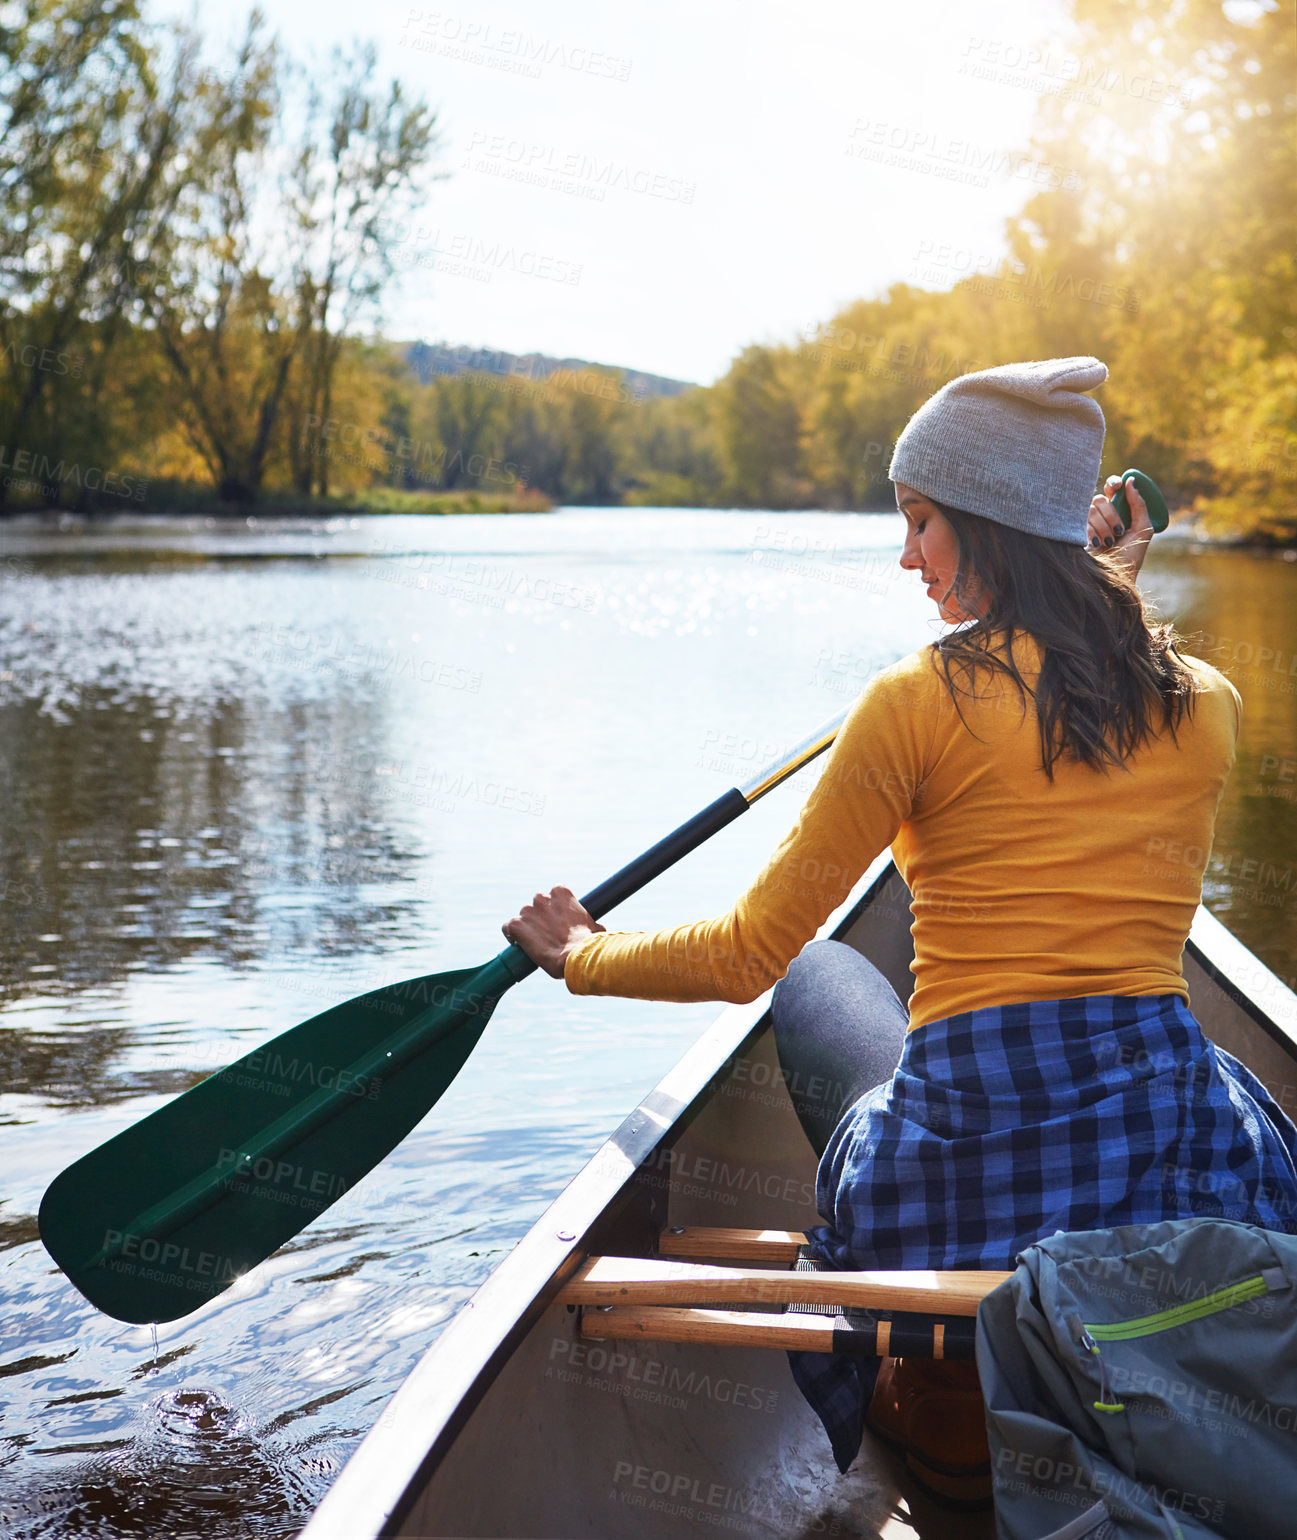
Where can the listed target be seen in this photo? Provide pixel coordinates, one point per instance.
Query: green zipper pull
(1268, 1280)
(1107, 1404)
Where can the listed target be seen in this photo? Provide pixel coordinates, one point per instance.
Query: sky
(658, 185)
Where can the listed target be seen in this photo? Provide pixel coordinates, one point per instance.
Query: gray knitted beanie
(1019, 444)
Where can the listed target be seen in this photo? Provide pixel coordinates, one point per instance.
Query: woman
(1026, 770)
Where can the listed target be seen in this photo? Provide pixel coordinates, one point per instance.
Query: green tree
(759, 428)
(671, 457)
(91, 117)
(457, 428)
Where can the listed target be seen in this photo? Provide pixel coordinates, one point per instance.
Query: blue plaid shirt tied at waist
(1005, 1124)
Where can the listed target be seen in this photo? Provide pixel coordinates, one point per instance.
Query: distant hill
(431, 359)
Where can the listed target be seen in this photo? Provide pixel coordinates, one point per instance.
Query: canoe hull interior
(513, 1426)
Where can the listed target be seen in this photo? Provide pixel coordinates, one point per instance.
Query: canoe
(515, 1424)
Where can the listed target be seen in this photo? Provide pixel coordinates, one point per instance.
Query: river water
(250, 771)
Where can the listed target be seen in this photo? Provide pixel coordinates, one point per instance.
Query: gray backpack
(1142, 1382)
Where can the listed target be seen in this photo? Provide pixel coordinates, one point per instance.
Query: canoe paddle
(173, 1210)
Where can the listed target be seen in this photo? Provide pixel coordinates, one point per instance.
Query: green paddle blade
(170, 1212)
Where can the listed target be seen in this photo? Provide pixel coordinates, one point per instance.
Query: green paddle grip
(1153, 501)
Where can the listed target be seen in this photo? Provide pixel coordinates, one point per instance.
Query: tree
(227, 334)
(360, 165)
(265, 277)
(1186, 199)
(88, 181)
(759, 427)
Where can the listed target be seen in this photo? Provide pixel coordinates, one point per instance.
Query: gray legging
(839, 1030)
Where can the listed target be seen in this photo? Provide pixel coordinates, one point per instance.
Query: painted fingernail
(1107, 540)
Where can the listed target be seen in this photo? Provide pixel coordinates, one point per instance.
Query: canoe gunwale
(1226, 960)
(388, 1469)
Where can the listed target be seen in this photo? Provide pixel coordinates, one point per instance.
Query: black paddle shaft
(692, 833)
(644, 868)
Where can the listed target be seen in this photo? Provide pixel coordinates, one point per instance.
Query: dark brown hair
(1108, 678)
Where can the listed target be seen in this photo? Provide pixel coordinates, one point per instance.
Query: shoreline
(390, 503)
(381, 502)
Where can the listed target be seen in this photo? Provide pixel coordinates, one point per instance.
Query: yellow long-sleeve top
(1022, 889)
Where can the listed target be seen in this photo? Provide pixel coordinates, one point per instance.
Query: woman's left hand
(550, 927)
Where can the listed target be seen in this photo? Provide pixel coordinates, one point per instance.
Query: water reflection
(192, 1454)
(124, 848)
(1239, 609)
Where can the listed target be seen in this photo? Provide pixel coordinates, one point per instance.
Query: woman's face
(932, 551)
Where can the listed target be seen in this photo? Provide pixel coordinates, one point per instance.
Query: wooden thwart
(799, 1333)
(665, 1299)
(729, 1328)
(724, 1245)
(655, 1281)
